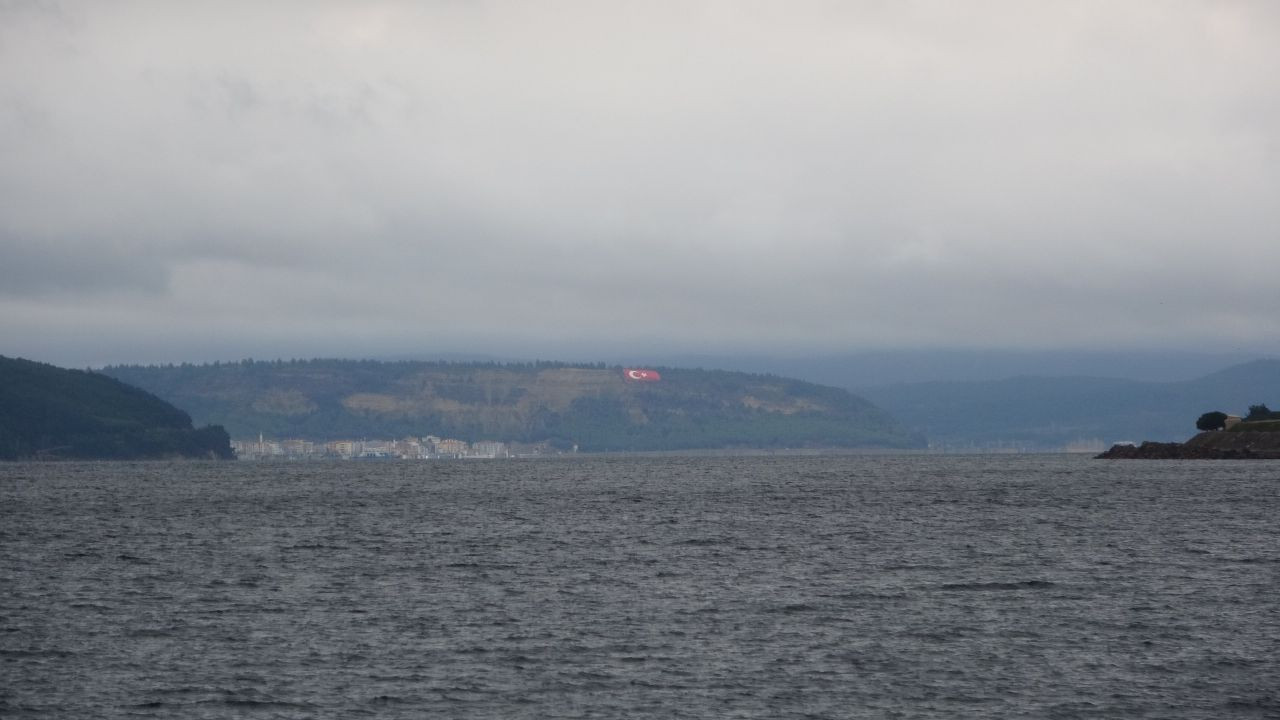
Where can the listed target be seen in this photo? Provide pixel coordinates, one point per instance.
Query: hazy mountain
(592, 406)
(48, 412)
(1050, 412)
(872, 369)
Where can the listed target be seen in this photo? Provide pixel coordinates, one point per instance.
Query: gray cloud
(350, 178)
(72, 267)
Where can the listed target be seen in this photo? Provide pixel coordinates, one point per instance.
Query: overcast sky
(199, 181)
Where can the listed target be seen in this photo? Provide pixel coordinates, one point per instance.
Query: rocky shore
(1215, 445)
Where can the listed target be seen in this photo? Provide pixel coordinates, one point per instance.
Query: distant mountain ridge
(591, 406)
(888, 367)
(1050, 412)
(48, 412)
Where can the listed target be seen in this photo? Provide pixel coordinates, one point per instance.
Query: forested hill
(591, 406)
(47, 412)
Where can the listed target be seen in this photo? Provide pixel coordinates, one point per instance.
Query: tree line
(1217, 420)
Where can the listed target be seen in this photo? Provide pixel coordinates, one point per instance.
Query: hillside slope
(48, 412)
(1049, 412)
(591, 406)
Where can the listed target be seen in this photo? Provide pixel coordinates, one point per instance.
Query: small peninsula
(1222, 437)
(50, 413)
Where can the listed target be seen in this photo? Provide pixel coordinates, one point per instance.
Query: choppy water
(931, 587)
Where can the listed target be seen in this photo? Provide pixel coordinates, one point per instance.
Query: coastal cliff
(1211, 445)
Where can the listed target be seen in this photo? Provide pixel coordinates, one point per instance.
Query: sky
(559, 179)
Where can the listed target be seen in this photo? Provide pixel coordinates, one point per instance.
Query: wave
(989, 586)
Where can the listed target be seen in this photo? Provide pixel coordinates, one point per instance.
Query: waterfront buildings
(429, 447)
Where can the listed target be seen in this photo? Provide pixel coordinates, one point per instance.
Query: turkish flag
(641, 375)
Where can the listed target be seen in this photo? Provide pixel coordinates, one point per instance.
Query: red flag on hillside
(641, 375)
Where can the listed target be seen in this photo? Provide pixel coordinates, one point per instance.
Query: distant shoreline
(618, 454)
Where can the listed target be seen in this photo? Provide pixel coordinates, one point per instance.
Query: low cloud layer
(353, 179)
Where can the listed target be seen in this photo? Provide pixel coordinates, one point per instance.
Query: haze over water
(863, 586)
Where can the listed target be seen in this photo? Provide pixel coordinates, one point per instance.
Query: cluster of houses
(410, 448)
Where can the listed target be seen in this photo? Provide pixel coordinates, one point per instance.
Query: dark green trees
(1261, 412)
(1215, 420)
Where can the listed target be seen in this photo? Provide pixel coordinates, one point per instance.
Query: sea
(850, 586)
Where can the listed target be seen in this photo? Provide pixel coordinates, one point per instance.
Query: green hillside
(591, 406)
(49, 412)
(1048, 412)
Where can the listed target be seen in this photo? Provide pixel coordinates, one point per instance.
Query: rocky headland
(1211, 445)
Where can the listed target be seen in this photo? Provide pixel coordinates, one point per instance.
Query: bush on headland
(1261, 413)
(1215, 420)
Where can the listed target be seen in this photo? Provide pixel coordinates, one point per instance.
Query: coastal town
(428, 447)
